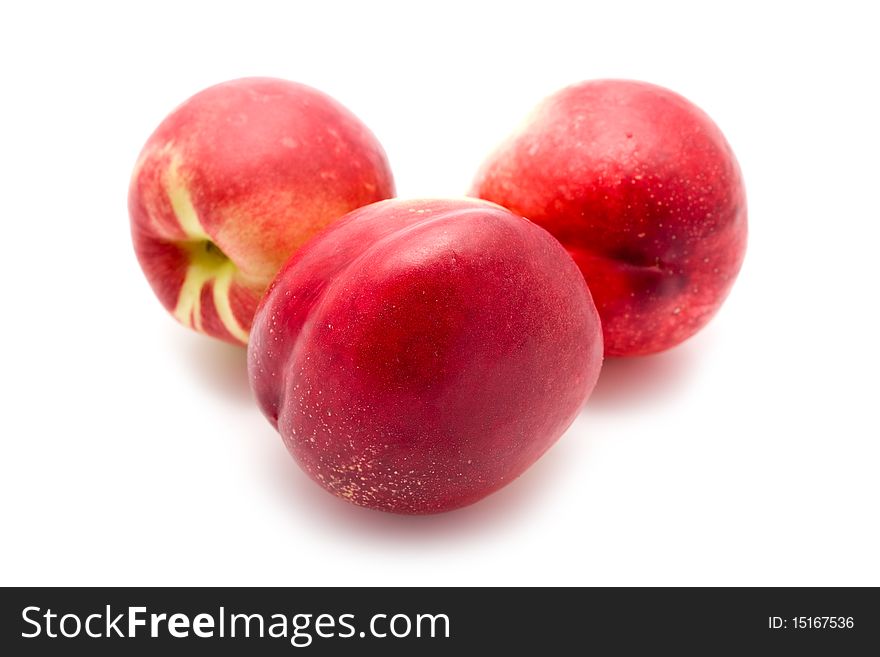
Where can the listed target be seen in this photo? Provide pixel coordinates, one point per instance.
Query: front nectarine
(419, 355)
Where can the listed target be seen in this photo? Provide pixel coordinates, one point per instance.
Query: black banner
(114, 621)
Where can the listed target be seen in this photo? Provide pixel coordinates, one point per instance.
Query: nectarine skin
(418, 355)
(644, 192)
(232, 182)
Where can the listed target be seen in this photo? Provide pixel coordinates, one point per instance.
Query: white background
(132, 452)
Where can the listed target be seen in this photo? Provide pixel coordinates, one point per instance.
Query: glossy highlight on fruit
(644, 192)
(418, 355)
(232, 182)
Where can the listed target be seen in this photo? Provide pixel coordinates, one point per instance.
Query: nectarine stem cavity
(210, 273)
(214, 251)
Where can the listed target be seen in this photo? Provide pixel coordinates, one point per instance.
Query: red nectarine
(645, 193)
(418, 355)
(233, 182)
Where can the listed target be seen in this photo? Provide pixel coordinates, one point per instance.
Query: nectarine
(233, 182)
(643, 191)
(419, 355)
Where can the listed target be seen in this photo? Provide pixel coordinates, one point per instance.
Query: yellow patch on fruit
(181, 203)
(207, 263)
(224, 307)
